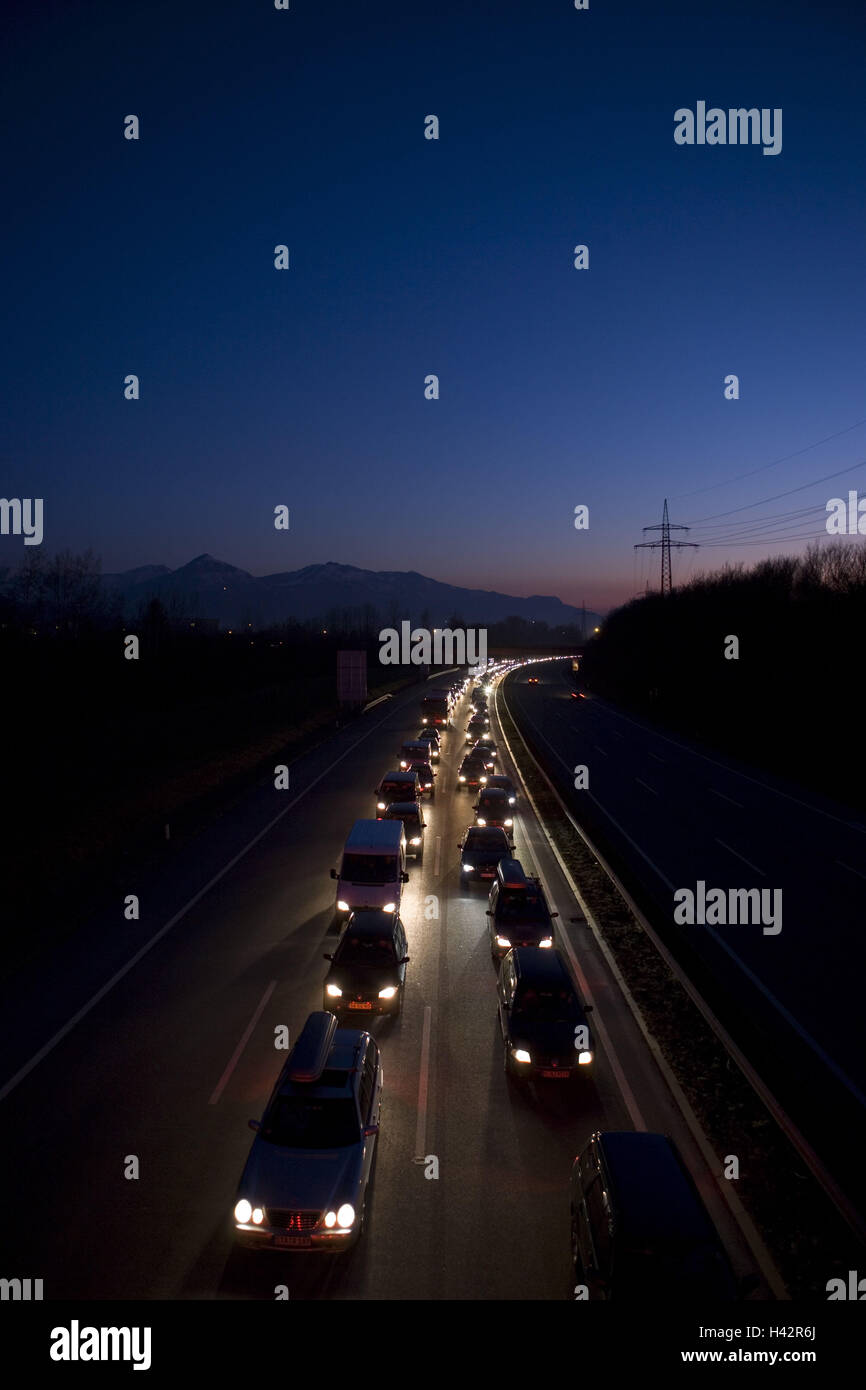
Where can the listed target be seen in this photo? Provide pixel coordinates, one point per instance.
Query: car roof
(370, 922)
(481, 830)
(655, 1198)
(541, 965)
(403, 808)
(496, 793)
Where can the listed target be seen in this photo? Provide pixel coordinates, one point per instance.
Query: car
(532, 680)
(476, 728)
(639, 1229)
(473, 771)
(543, 1023)
(401, 784)
(481, 849)
(434, 743)
(504, 784)
(486, 746)
(416, 750)
(304, 1185)
(426, 778)
(517, 911)
(414, 824)
(492, 808)
(368, 968)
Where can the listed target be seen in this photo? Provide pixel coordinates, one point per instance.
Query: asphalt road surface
(672, 813)
(155, 1040)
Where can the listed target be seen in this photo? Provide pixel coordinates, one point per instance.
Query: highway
(154, 1039)
(668, 813)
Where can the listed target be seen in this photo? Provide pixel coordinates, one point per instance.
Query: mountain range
(210, 588)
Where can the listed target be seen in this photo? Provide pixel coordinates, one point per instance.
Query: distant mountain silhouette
(210, 588)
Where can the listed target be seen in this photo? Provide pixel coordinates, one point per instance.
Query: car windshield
(486, 839)
(369, 868)
(311, 1122)
(521, 907)
(373, 951)
(545, 1005)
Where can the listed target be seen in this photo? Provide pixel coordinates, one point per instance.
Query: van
(639, 1230)
(373, 868)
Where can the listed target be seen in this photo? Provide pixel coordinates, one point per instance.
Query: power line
(802, 488)
(764, 466)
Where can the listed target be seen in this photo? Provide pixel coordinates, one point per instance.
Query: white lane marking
(737, 855)
(645, 784)
(717, 937)
(735, 772)
(601, 751)
(438, 856)
(655, 755)
(843, 865)
(247, 1034)
(725, 798)
(172, 922)
(421, 1126)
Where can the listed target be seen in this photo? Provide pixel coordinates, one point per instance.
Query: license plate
(292, 1240)
(558, 1075)
(357, 1004)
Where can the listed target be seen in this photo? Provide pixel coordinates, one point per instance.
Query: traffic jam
(637, 1219)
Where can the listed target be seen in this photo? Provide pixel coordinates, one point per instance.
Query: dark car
(368, 968)
(504, 784)
(399, 785)
(480, 851)
(517, 911)
(639, 1230)
(304, 1185)
(477, 727)
(426, 778)
(473, 770)
(414, 751)
(492, 808)
(542, 1020)
(487, 747)
(434, 743)
(409, 812)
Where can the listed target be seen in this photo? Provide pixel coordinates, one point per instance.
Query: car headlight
(547, 941)
(511, 801)
(461, 778)
(243, 1211)
(390, 907)
(480, 821)
(380, 805)
(330, 1219)
(346, 1215)
(503, 941)
(509, 822)
(334, 991)
(520, 1054)
(388, 992)
(423, 721)
(482, 779)
(467, 868)
(258, 1216)
(341, 906)
(403, 766)
(584, 1058)
(416, 840)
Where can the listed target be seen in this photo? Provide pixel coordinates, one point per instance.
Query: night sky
(411, 256)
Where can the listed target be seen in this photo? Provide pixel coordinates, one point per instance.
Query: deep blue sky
(410, 256)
